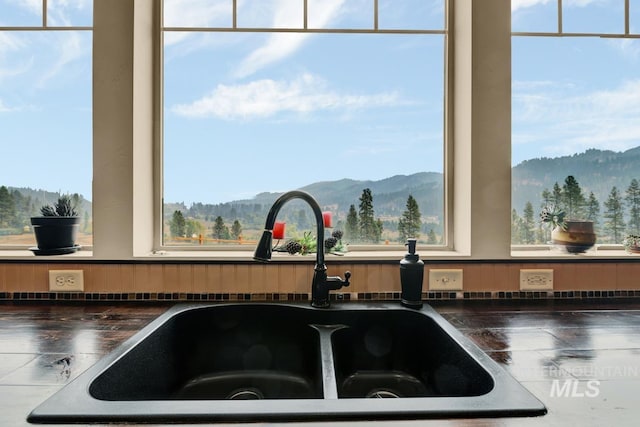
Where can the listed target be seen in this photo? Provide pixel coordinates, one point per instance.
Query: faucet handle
(347, 276)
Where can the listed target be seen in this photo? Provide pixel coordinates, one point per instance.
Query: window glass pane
(576, 109)
(248, 115)
(590, 16)
(45, 117)
(198, 13)
(634, 17)
(340, 14)
(270, 14)
(19, 13)
(414, 14)
(534, 16)
(69, 13)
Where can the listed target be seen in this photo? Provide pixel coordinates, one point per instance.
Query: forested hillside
(604, 176)
(597, 171)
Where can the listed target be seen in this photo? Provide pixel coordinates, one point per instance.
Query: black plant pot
(55, 234)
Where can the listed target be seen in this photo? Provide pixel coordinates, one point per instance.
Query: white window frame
(374, 29)
(537, 250)
(44, 26)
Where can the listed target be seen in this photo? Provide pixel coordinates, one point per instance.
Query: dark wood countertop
(594, 346)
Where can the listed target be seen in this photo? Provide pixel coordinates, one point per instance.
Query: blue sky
(246, 113)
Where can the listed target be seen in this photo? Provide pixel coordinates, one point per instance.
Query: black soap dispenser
(411, 276)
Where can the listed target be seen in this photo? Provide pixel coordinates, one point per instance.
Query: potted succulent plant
(57, 227)
(573, 235)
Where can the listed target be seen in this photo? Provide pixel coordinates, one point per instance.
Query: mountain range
(596, 171)
(389, 194)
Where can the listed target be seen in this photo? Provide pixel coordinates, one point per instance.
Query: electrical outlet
(66, 281)
(536, 280)
(445, 280)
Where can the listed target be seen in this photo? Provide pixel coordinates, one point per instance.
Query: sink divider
(329, 384)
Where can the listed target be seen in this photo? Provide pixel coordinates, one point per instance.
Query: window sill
(20, 254)
(546, 251)
(518, 253)
(387, 255)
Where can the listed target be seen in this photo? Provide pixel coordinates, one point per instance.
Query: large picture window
(576, 109)
(342, 99)
(45, 112)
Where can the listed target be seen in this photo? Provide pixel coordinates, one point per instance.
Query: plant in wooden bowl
(575, 236)
(56, 228)
(570, 218)
(632, 244)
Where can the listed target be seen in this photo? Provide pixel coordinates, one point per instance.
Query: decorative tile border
(291, 297)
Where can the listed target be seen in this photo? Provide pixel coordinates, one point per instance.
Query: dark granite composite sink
(256, 362)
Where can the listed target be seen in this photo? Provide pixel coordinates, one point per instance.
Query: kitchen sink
(259, 361)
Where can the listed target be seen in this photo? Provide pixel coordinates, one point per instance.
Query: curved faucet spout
(321, 284)
(261, 254)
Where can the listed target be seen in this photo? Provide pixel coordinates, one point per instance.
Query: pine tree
(379, 228)
(236, 230)
(351, 228)
(7, 208)
(547, 198)
(177, 225)
(572, 198)
(367, 224)
(633, 202)
(556, 195)
(614, 216)
(220, 231)
(432, 239)
(516, 227)
(593, 209)
(528, 225)
(410, 223)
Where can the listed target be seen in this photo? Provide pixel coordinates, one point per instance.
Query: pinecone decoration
(330, 242)
(293, 247)
(337, 234)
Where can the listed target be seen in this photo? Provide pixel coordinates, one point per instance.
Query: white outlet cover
(66, 280)
(538, 279)
(445, 279)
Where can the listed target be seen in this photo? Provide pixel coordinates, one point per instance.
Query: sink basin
(258, 362)
(230, 352)
(401, 354)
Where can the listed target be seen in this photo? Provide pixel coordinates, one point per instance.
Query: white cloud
(33, 6)
(628, 48)
(4, 108)
(605, 119)
(58, 13)
(266, 98)
(9, 42)
(523, 4)
(69, 48)
(8, 45)
(281, 45)
(194, 13)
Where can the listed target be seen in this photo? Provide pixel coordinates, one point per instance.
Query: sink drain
(382, 394)
(246, 394)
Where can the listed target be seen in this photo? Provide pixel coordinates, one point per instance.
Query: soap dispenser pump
(411, 276)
